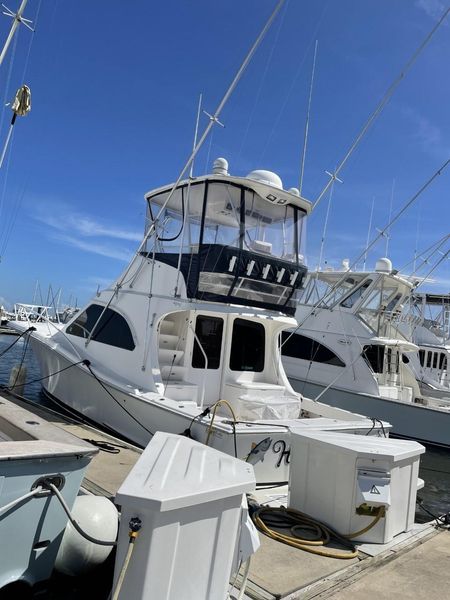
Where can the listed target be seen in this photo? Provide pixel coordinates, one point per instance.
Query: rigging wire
(213, 119)
(384, 100)
(294, 81)
(374, 241)
(261, 84)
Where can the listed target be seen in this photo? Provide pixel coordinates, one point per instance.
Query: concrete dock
(415, 565)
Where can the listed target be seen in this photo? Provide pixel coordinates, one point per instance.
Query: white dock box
(188, 497)
(332, 475)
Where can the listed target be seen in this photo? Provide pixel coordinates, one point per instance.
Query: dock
(414, 565)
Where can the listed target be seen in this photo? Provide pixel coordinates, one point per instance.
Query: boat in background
(426, 321)
(350, 351)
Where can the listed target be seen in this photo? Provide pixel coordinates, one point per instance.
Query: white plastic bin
(188, 497)
(332, 474)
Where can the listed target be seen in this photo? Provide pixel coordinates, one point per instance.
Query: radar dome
(383, 265)
(295, 191)
(266, 177)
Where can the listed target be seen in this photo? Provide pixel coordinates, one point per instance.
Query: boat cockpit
(234, 240)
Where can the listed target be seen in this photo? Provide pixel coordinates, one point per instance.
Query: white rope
(14, 503)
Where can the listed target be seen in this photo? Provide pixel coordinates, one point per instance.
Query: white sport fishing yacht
(187, 338)
(350, 351)
(426, 320)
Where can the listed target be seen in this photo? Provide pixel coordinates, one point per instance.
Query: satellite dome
(295, 191)
(266, 177)
(383, 265)
(220, 166)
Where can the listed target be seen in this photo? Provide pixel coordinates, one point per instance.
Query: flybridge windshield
(225, 214)
(231, 244)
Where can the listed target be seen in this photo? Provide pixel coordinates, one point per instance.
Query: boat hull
(412, 421)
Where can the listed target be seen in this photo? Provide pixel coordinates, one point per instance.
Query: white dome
(383, 265)
(266, 177)
(220, 166)
(295, 191)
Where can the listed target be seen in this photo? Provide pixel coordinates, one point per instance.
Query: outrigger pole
(22, 102)
(21, 106)
(17, 20)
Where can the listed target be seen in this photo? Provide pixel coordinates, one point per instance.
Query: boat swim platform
(414, 565)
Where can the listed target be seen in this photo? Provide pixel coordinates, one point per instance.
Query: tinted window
(112, 329)
(435, 359)
(422, 357)
(247, 346)
(209, 332)
(443, 362)
(300, 346)
(429, 354)
(374, 355)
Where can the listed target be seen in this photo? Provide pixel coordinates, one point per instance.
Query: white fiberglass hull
(136, 416)
(426, 424)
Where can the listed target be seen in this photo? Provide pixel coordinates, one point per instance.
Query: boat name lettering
(279, 447)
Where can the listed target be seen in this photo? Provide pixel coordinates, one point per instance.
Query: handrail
(206, 364)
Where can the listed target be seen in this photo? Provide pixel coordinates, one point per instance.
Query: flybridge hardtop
(234, 239)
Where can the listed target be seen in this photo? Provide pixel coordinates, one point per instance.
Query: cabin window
(209, 332)
(443, 362)
(112, 329)
(351, 300)
(435, 360)
(247, 346)
(429, 355)
(305, 348)
(422, 357)
(374, 355)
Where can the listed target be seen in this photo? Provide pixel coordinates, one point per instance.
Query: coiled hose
(266, 518)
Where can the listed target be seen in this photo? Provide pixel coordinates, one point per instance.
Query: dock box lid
(175, 472)
(363, 445)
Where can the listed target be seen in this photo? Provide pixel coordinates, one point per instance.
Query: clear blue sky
(115, 87)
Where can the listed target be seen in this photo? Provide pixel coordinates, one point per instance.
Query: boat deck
(415, 566)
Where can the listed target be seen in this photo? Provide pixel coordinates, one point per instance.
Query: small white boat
(34, 453)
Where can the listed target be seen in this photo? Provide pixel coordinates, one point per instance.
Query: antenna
(322, 242)
(388, 232)
(194, 143)
(369, 230)
(305, 140)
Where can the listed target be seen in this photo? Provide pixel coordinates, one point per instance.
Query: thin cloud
(433, 8)
(86, 226)
(428, 135)
(93, 247)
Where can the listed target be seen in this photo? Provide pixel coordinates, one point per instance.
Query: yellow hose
(322, 533)
(215, 407)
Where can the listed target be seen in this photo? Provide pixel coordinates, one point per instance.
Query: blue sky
(115, 88)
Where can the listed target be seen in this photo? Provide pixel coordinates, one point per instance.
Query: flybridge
(233, 239)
